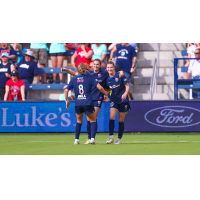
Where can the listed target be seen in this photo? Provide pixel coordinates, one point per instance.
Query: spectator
(6, 48)
(83, 54)
(134, 45)
(15, 88)
(5, 69)
(16, 47)
(194, 68)
(190, 52)
(57, 54)
(40, 53)
(27, 68)
(100, 52)
(126, 59)
(71, 47)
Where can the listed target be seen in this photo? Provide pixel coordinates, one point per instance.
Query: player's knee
(112, 117)
(79, 121)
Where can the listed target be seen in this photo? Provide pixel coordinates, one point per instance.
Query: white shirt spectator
(194, 68)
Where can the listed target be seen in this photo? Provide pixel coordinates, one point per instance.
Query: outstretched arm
(66, 98)
(69, 71)
(102, 90)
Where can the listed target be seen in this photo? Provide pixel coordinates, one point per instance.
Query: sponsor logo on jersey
(80, 80)
(114, 86)
(111, 104)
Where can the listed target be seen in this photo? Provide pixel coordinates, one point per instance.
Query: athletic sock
(93, 129)
(97, 126)
(78, 130)
(121, 129)
(89, 129)
(111, 127)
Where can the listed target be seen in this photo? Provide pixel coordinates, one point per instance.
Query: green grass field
(132, 144)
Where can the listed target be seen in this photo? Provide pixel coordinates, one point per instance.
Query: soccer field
(132, 144)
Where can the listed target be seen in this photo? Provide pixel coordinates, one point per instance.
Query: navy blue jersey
(101, 78)
(4, 69)
(117, 85)
(125, 56)
(27, 70)
(82, 86)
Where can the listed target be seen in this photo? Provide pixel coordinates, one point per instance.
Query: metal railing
(155, 73)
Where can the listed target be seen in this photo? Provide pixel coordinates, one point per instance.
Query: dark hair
(110, 62)
(98, 60)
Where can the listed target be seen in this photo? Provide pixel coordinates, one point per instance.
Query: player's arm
(22, 90)
(126, 92)
(66, 98)
(6, 92)
(102, 90)
(69, 71)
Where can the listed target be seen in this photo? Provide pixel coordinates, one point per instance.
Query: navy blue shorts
(84, 109)
(58, 54)
(97, 104)
(122, 107)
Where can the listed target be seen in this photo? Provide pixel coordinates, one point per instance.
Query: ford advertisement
(145, 116)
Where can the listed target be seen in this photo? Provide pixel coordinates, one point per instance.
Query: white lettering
(48, 118)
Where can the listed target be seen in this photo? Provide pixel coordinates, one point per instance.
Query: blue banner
(46, 117)
(163, 116)
(145, 116)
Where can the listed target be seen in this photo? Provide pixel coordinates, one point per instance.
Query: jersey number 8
(81, 91)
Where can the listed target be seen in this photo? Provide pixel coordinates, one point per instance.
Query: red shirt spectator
(83, 55)
(15, 87)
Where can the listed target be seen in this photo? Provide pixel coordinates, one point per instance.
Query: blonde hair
(82, 68)
(7, 46)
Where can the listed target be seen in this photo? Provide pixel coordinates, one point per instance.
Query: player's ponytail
(82, 68)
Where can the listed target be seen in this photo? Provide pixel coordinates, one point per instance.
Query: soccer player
(101, 77)
(82, 86)
(118, 101)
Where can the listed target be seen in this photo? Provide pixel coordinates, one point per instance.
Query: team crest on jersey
(126, 107)
(99, 75)
(116, 79)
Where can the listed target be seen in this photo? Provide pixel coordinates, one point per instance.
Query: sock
(111, 127)
(97, 126)
(78, 130)
(89, 129)
(93, 129)
(121, 129)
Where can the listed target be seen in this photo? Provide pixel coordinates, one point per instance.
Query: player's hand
(124, 96)
(106, 98)
(132, 70)
(62, 69)
(67, 104)
(121, 74)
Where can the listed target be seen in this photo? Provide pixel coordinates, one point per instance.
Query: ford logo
(173, 116)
